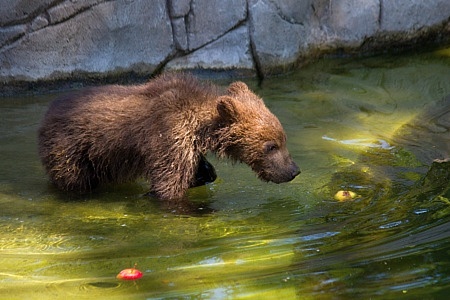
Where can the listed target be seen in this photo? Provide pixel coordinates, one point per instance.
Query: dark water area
(372, 126)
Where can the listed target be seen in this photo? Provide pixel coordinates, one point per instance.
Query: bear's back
(185, 89)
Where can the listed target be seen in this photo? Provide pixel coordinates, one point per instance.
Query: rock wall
(47, 40)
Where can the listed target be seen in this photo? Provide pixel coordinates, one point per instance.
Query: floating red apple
(129, 274)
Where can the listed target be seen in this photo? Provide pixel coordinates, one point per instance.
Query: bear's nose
(295, 170)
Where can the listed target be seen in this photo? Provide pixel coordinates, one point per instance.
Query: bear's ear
(228, 111)
(237, 87)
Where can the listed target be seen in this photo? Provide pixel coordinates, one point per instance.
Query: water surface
(352, 124)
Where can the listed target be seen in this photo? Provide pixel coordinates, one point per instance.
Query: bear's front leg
(170, 182)
(172, 195)
(172, 174)
(173, 186)
(205, 173)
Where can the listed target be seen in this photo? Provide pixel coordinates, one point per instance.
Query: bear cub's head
(251, 134)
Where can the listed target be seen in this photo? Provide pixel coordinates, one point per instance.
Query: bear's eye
(270, 147)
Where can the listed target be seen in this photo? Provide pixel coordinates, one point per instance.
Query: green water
(261, 240)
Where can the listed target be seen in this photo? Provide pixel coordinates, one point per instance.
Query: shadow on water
(372, 126)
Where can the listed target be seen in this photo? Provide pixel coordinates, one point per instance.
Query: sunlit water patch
(371, 126)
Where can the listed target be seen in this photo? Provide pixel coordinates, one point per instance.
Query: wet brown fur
(158, 130)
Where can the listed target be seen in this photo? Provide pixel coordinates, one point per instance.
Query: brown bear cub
(160, 131)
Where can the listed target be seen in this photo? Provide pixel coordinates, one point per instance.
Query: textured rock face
(65, 39)
(87, 36)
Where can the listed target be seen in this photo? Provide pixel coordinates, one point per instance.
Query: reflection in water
(372, 126)
(370, 143)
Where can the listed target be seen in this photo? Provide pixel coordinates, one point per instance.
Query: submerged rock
(427, 136)
(436, 182)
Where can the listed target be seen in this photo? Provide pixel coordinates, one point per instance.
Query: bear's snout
(278, 171)
(295, 170)
(289, 174)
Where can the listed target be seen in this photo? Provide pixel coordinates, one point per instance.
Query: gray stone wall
(46, 40)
